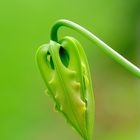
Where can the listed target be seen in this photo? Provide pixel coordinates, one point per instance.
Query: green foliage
(65, 70)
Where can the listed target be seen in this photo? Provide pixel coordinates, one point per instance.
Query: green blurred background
(25, 112)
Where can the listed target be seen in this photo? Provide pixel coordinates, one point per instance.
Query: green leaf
(65, 70)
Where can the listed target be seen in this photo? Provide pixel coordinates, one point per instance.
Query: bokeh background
(26, 113)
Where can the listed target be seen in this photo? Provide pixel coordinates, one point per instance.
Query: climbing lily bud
(65, 70)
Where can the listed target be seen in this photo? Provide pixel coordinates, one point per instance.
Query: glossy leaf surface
(65, 70)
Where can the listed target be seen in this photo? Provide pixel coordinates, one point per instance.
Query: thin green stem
(108, 50)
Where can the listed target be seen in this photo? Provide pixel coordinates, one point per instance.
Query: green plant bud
(65, 70)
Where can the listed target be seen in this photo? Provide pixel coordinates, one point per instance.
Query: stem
(108, 50)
